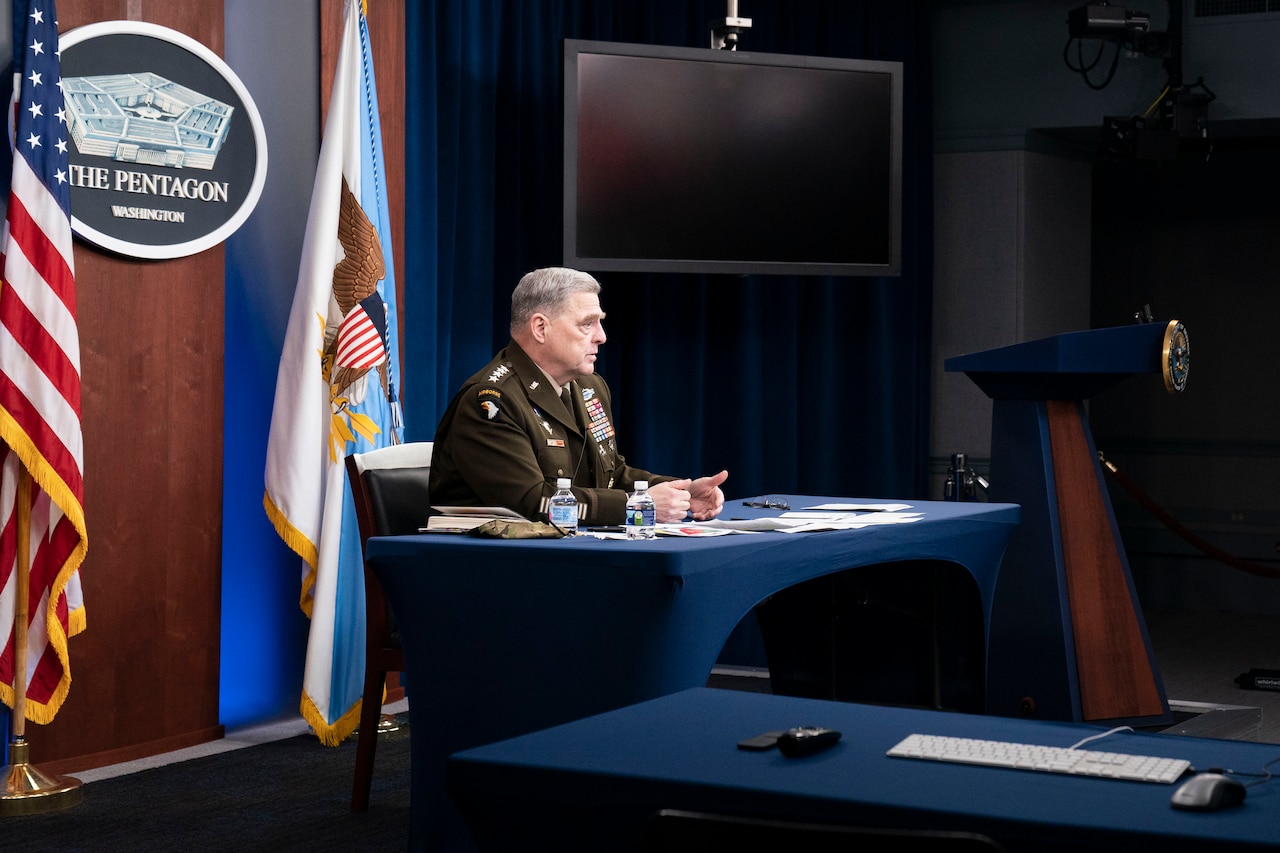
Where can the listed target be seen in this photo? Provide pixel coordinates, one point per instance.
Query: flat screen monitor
(718, 161)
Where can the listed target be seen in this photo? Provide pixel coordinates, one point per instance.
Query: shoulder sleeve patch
(489, 399)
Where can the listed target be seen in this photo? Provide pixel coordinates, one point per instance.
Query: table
(595, 784)
(503, 637)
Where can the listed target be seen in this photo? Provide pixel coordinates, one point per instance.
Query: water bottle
(640, 513)
(563, 511)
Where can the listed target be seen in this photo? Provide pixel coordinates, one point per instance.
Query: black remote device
(768, 740)
(806, 740)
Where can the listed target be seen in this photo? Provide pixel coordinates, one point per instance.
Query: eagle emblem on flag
(359, 343)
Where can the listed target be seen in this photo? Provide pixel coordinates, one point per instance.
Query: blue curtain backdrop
(795, 384)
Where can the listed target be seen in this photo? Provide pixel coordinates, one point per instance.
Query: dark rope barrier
(1172, 523)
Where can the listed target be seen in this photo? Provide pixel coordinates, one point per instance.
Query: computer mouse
(1207, 792)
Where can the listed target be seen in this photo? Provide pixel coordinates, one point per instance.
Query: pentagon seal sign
(168, 154)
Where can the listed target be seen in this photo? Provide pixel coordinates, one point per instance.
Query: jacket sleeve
(490, 449)
(498, 455)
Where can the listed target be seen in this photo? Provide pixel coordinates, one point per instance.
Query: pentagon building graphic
(144, 118)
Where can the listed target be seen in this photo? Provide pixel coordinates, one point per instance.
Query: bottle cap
(563, 483)
(642, 485)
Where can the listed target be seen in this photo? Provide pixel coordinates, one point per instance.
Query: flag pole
(26, 789)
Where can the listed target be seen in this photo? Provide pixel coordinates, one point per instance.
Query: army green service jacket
(507, 436)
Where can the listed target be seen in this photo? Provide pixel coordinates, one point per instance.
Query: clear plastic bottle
(640, 513)
(563, 510)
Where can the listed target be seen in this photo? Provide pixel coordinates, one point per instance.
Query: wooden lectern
(1068, 640)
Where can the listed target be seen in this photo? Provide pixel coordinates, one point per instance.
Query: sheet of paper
(693, 529)
(811, 521)
(858, 507)
(752, 525)
(486, 511)
(849, 521)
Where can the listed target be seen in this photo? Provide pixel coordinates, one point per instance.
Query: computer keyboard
(1048, 759)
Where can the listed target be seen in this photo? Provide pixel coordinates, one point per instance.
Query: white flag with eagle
(336, 389)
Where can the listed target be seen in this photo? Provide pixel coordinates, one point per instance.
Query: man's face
(572, 339)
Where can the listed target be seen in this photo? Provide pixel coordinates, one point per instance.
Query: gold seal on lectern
(1176, 357)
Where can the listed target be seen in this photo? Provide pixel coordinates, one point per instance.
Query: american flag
(361, 337)
(40, 376)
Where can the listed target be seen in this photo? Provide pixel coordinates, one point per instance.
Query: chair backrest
(674, 831)
(390, 488)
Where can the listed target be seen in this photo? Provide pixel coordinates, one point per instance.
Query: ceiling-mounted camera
(1179, 115)
(1115, 24)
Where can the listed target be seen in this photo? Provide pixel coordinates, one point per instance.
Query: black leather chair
(674, 831)
(389, 487)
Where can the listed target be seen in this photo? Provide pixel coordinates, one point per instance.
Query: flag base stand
(29, 791)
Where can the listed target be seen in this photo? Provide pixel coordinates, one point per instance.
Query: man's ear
(538, 325)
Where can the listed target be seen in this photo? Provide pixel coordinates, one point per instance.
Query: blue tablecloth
(595, 784)
(503, 637)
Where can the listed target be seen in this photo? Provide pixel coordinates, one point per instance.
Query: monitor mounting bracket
(725, 32)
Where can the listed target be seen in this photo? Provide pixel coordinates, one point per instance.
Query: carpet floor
(292, 794)
(288, 795)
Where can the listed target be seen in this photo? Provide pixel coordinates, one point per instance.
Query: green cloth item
(501, 528)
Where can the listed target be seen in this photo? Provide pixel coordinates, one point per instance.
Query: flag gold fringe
(77, 621)
(299, 544)
(44, 475)
(330, 735)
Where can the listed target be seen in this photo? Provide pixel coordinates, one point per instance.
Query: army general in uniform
(538, 412)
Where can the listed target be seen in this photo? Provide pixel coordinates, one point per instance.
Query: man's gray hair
(547, 290)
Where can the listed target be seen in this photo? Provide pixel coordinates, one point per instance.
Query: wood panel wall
(146, 670)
